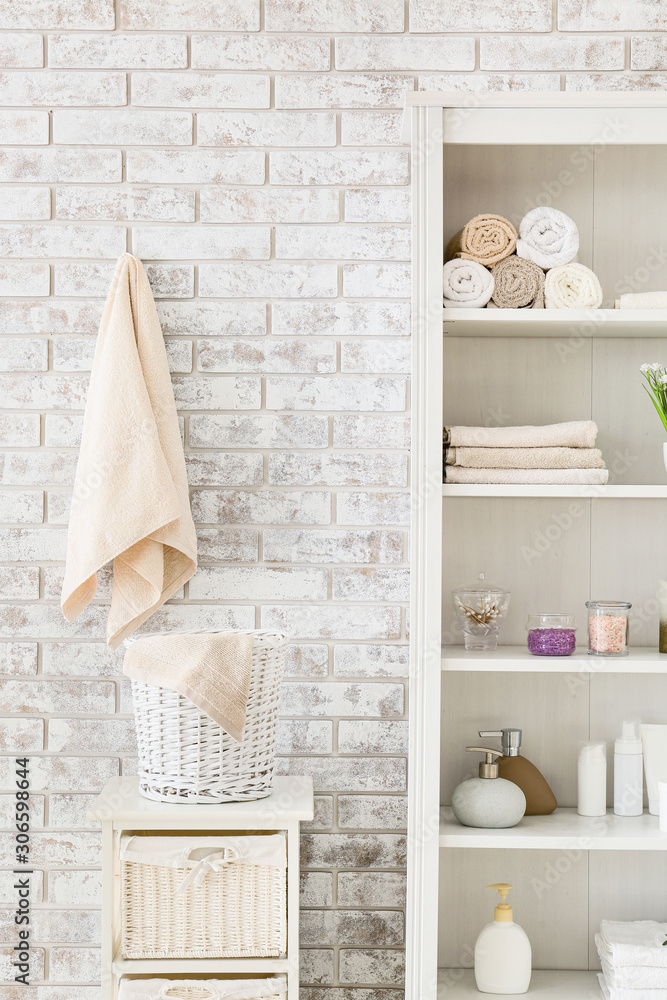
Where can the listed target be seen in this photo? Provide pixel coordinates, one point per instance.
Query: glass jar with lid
(551, 634)
(480, 609)
(608, 627)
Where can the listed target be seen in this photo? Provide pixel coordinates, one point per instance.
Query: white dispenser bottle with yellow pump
(502, 951)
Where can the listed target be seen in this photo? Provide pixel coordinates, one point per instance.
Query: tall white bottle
(502, 951)
(628, 770)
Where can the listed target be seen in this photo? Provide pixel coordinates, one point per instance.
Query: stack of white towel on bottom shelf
(634, 959)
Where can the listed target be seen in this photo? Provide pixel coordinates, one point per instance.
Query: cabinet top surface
(535, 99)
(121, 801)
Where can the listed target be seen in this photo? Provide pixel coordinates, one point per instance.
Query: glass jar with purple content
(551, 635)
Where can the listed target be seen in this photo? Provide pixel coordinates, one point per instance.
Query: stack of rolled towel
(633, 959)
(489, 264)
(552, 454)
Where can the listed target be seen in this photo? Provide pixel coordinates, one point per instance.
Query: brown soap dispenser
(540, 800)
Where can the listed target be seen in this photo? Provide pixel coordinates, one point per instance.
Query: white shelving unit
(553, 546)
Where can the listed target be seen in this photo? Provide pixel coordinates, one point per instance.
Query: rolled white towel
(548, 237)
(466, 284)
(572, 286)
(642, 300)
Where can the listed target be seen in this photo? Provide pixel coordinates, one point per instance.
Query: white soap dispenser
(502, 951)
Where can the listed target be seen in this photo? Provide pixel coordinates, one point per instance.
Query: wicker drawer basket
(203, 897)
(203, 989)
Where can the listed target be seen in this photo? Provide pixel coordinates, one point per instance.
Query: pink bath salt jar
(608, 627)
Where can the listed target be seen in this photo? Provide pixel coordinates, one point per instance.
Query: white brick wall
(250, 151)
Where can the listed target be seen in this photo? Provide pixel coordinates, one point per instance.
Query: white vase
(664, 454)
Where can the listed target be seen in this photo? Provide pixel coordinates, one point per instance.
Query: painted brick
(18, 658)
(648, 52)
(264, 507)
(322, 814)
(58, 507)
(337, 469)
(319, 622)
(372, 812)
(316, 889)
(76, 659)
(240, 280)
(211, 319)
(287, 356)
(46, 620)
(21, 735)
(389, 357)
(62, 431)
(27, 128)
(356, 431)
(388, 205)
(62, 89)
(23, 355)
(369, 737)
(55, 166)
(19, 430)
(373, 508)
(34, 468)
(118, 51)
(32, 544)
(217, 393)
(167, 280)
(371, 965)
(49, 849)
(332, 699)
(22, 506)
(615, 81)
(62, 241)
(21, 51)
(452, 15)
(258, 583)
(316, 965)
(179, 357)
(55, 14)
(266, 430)
(371, 584)
(377, 280)
(370, 661)
(19, 583)
(364, 394)
(345, 850)
(65, 774)
(59, 696)
(75, 888)
(344, 774)
(307, 660)
(277, 53)
(207, 15)
(186, 618)
(340, 319)
(62, 926)
(269, 205)
(8, 956)
(328, 15)
(297, 736)
(326, 546)
(483, 82)
(371, 888)
(612, 15)
(75, 354)
(371, 128)
(49, 317)
(200, 90)
(342, 90)
(18, 278)
(550, 52)
(200, 166)
(191, 242)
(228, 544)
(346, 927)
(92, 735)
(69, 811)
(49, 992)
(29, 204)
(404, 53)
(339, 167)
(266, 128)
(7, 822)
(132, 127)
(74, 965)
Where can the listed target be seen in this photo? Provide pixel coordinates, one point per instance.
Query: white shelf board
(459, 984)
(634, 492)
(159, 966)
(563, 830)
(562, 323)
(517, 659)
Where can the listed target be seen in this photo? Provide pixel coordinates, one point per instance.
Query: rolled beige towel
(466, 284)
(548, 237)
(571, 434)
(517, 477)
(642, 300)
(518, 284)
(485, 239)
(525, 458)
(572, 286)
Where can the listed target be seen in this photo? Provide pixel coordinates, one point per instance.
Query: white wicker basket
(186, 757)
(203, 897)
(271, 988)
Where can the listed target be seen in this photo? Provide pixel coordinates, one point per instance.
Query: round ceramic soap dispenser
(488, 801)
(503, 955)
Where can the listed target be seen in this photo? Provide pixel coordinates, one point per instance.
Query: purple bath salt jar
(551, 635)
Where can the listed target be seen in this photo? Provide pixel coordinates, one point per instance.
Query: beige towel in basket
(130, 502)
(212, 669)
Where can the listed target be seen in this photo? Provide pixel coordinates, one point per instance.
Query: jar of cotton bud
(480, 611)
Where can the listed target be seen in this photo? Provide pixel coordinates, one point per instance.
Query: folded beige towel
(642, 300)
(466, 284)
(548, 237)
(130, 499)
(485, 239)
(573, 434)
(507, 477)
(212, 669)
(572, 286)
(519, 284)
(525, 458)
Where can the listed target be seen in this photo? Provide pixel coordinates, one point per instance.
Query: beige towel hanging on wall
(130, 502)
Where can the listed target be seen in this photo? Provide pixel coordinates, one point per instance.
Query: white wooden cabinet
(601, 158)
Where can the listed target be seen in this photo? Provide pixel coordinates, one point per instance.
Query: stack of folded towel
(642, 300)
(551, 454)
(634, 961)
(490, 264)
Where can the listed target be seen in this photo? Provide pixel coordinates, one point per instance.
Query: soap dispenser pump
(540, 800)
(488, 801)
(503, 955)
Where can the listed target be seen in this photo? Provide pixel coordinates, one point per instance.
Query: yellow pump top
(503, 911)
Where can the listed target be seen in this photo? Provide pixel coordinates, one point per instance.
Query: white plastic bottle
(503, 954)
(628, 770)
(592, 783)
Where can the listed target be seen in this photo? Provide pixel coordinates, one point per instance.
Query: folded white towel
(572, 286)
(525, 458)
(633, 977)
(466, 284)
(633, 942)
(509, 477)
(571, 434)
(548, 237)
(620, 993)
(642, 300)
